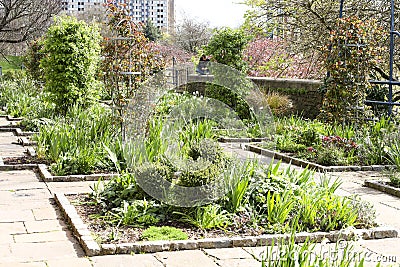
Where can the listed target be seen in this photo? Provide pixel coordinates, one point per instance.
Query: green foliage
(151, 31)
(286, 253)
(22, 98)
(11, 63)
(278, 103)
(280, 196)
(34, 55)
(226, 46)
(237, 181)
(76, 143)
(71, 56)
(138, 213)
(231, 99)
(207, 217)
(163, 233)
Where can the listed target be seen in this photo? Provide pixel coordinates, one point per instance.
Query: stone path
(32, 232)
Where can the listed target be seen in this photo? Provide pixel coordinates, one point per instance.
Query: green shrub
(331, 156)
(163, 233)
(71, 56)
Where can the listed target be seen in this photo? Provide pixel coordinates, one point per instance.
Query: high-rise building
(160, 12)
(71, 6)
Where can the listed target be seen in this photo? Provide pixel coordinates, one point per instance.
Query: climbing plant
(351, 52)
(129, 58)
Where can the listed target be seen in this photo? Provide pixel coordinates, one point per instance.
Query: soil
(128, 234)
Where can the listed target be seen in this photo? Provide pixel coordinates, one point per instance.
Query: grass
(11, 63)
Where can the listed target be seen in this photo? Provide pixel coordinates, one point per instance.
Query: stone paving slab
(70, 262)
(4, 122)
(19, 264)
(228, 253)
(42, 237)
(9, 146)
(44, 226)
(193, 258)
(13, 228)
(141, 260)
(25, 252)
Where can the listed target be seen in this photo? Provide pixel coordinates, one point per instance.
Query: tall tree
(22, 19)
(151, 31)
(191, 35)
(306, 24)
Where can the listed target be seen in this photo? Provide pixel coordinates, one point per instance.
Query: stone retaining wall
(305, 95)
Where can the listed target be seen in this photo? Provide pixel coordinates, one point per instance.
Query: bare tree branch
(22, 19)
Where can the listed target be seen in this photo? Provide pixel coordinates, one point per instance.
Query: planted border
(92, 248)
(311, 165)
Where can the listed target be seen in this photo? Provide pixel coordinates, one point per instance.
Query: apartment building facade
(160, 12)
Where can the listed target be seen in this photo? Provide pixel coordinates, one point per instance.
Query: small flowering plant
(339, 142)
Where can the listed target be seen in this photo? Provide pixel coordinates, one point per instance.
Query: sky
(218, 13)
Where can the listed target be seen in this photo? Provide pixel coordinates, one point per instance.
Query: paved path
(32, 232)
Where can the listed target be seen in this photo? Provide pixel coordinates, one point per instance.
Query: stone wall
(305, 95)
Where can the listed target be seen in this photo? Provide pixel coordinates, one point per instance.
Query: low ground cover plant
(332, 145)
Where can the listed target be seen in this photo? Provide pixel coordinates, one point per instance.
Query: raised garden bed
(304, 163)
(81, 231)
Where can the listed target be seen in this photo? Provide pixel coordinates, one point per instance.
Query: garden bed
(383, 186)
(79, 223)
(304, 163)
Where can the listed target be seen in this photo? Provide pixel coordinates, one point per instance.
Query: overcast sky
(217, 12)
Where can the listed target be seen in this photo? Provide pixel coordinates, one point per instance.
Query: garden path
(32, 232)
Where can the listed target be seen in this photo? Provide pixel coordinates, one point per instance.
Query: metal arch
(391, 82)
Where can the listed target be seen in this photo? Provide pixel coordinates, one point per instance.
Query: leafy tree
(306, 24)
(70, 64)
(226, 46)
(269, 57)
(151, 31)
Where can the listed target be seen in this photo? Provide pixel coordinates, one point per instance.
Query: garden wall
(305, 95)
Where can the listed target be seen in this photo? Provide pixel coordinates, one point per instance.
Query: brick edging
(310, 165)
(92, 248)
